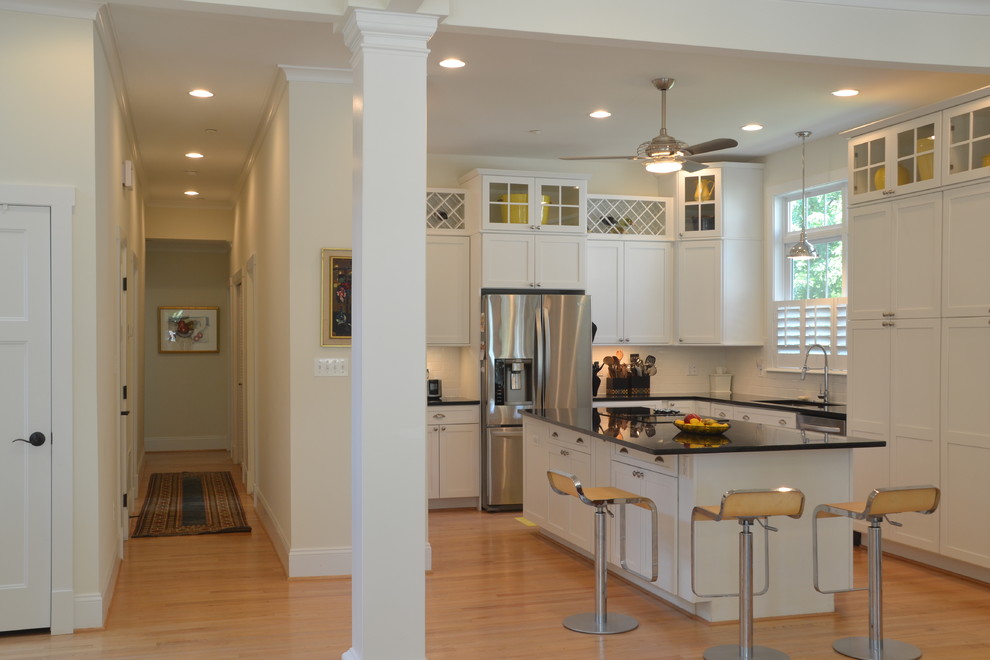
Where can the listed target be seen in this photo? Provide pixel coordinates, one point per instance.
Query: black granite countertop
(832, 410)
(635, 428)
(453, 401)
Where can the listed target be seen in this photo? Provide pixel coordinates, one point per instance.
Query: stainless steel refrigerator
(537, 354)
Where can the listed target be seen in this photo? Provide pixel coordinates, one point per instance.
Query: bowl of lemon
(696, 424)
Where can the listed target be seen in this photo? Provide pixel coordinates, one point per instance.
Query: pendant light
(803, 249)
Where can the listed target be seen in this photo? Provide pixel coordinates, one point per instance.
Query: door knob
(36, 439)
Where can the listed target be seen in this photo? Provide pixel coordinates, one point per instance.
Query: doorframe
(60, 200)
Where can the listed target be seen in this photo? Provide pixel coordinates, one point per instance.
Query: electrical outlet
(692, 370)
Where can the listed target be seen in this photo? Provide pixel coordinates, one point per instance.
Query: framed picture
(188, 330)
(336, 297)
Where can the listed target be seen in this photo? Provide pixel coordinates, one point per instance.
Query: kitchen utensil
(618, 354)
(650, 360)
(651, 371)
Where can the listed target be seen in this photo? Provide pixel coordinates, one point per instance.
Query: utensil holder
(639, 386)
(720, 383)
(617, 387)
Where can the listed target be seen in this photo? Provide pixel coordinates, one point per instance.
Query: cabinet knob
(564, 452)
(443, 428)
(553, 435)
(439, 416)
(623, 451)
(436, 428)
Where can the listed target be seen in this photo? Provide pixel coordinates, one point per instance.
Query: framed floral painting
(188, 330)
(336, 295)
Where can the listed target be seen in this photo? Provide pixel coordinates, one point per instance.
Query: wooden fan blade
(691, 166)
(597, 157)
(712, 145)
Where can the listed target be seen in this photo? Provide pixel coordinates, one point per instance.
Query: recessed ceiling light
(194, 154)
(211, 131)
(600, 114)
(191, 193)
(752, 127)
(452, 63)
(192, 172)
(201, 93)
(845, 92)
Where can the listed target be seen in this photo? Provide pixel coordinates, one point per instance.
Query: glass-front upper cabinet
(700, 195)
(902, 158)
(967, 134)
(514, 203)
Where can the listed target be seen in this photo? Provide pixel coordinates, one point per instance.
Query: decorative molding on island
(648, 455)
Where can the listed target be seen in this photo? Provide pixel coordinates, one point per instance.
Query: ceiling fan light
(663, 166)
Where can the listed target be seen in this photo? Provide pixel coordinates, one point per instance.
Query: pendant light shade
(803, 249)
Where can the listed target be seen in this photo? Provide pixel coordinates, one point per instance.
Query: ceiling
(519, 96)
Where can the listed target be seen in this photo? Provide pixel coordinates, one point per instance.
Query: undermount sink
(799, 402)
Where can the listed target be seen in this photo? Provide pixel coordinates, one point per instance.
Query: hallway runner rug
(187, 503)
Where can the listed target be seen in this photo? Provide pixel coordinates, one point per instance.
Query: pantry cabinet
(893, 382)
(896, 160)
(453, 435)
(965, 267)
(631, 287)
(895, 258)
(965, 439)
(967, 140)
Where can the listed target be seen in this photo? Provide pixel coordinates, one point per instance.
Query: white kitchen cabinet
(453, 453)
(894, 376)
(631, 288)
(965, 266)
(512, 261)
(523, 202)
(896, 160)
(448, 269)
(780, 419)
(967, 138)
(567, 517)
(662, 489)
(724, 200)
(965, 439)
(720, 292)
(536, 462)
(895, 258)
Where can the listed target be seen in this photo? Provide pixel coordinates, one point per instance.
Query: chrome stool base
(734, 652)
(859, 647)
(591, 624)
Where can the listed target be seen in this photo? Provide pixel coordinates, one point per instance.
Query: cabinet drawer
(771, 417)
(452, 415)
(644, 459)
(567, 439)
(722, 411)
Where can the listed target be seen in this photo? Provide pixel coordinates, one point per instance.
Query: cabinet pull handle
(443, 428)
(659, 459)
(564, 452)
(623, 451)
(439, 416)
(782, 422)
(580, 441)
(553, 435)
(745, 418)
(436, 428)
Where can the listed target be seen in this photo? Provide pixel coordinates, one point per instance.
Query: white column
(389, 350)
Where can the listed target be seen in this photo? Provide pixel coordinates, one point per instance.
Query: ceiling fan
(665, 153)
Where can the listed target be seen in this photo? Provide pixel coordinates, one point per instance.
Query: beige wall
(189, 223)
(186, 394)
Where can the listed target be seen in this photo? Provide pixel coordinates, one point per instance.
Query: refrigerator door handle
(542, 356)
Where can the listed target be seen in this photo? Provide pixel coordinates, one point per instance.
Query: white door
(25, 414)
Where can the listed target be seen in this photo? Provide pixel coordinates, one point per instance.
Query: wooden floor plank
(498, 590)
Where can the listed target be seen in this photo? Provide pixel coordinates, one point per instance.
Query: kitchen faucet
(804, 370)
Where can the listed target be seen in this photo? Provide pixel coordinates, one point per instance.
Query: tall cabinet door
(647, 292)
(870, 262)
(966, 269)
(699, 292)
(447, 290)
(914, 421)
(869, 403)
(560, 262)
(605, 289)
(965, 439)
(917, 251)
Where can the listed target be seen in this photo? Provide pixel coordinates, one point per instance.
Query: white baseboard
(279, 541)
(88, 611)
(187, 443)
(319, 562)
(63, 612)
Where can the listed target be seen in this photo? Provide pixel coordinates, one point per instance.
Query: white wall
(186, 395)
(189, 223)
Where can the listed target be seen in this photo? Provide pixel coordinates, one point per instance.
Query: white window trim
(781, 241)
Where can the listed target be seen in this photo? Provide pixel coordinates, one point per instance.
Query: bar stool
(881, 503)
(600, 622)
(747, 506)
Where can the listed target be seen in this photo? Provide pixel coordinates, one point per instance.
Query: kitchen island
(637, 451)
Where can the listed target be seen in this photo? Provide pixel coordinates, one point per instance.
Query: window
(810, 305)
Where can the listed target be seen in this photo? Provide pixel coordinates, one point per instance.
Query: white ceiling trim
(967, 7)
(317, 74)
(63, 8)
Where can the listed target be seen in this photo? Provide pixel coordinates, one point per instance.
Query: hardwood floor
(497, 591)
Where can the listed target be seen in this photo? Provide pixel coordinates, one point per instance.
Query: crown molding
(87, 9)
